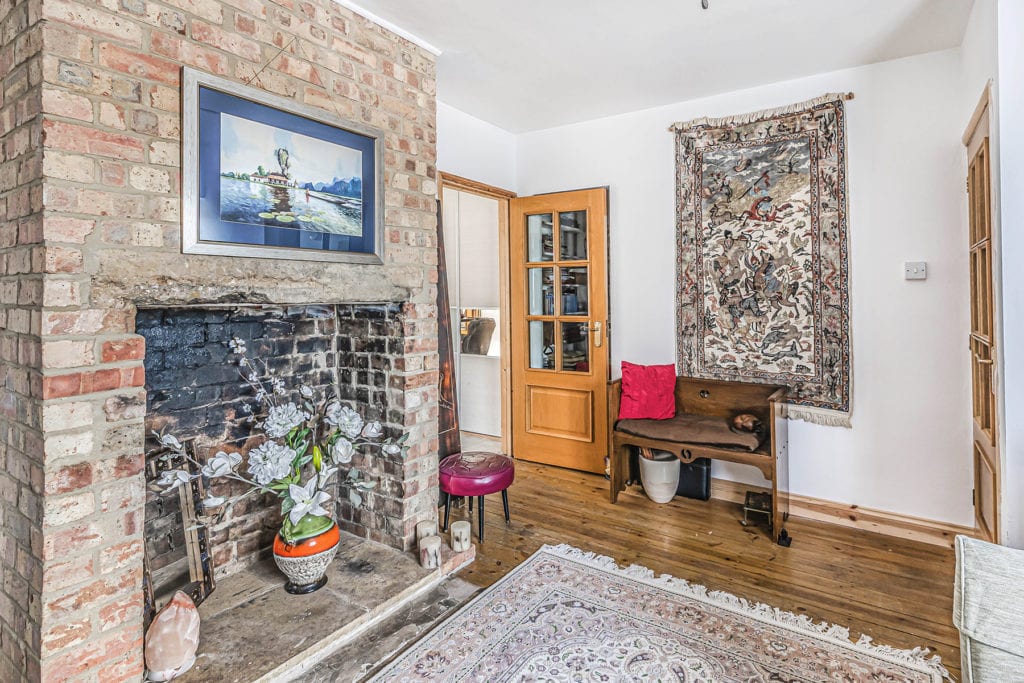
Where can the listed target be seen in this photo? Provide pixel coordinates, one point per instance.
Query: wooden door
(982, 338)
(559, 316)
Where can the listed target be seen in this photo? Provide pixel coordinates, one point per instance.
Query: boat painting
(277, 178)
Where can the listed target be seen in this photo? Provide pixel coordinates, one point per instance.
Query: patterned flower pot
(304, 560)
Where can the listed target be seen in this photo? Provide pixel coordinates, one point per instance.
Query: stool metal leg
(447, 509)
(504, 502)
(480, 522)
(470, 498)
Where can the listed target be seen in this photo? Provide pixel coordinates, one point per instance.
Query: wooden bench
(711, 405)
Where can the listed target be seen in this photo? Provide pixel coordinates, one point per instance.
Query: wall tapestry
(762, 258)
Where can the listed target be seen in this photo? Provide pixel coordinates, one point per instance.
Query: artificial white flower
(213, 501)
(172, 479)
(391, 448)
(345, 419)
(307, 501)
(222, 463)
(373, 430)
(324, 475)
(306, 391)
(270, 461)
(169, 441)
(341, 452)
(282, 419)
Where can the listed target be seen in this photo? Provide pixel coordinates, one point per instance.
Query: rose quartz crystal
(172, 639)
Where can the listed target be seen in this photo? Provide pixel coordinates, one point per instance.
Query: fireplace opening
(195, 391)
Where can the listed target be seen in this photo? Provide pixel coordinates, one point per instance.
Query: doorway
(527, 279)
(984, 408)
(475, 224)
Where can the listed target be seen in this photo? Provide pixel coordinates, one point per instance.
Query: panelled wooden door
(981, 341)
(559, 321)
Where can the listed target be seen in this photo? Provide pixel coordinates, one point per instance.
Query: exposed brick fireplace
(194, 391)
(90, 242)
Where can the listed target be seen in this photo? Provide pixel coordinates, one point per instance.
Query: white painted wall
(1011, 169)
(909, 448)
(978, 55)
(475, 149)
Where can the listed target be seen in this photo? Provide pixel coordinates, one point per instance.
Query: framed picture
(266, 177)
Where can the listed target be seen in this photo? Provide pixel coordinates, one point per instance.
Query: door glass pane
(540, 245)
(573, 227)
(575, 347)
(575, 291)
(542, 344)
(540, 291)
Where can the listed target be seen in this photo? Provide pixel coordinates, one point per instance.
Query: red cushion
(648, 392)
(475, 473)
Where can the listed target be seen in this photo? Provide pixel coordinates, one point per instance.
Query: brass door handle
(597, 329)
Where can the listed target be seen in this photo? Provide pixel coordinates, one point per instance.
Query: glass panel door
(560, 362)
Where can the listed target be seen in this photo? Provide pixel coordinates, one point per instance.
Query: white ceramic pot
(660, 476)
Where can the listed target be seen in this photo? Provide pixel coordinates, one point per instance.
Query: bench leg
(618, 465)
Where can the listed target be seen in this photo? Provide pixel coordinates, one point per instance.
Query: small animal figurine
(745, 422)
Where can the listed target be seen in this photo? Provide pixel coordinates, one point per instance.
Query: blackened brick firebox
(194, 390)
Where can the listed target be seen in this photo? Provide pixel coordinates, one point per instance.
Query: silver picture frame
(192, 241)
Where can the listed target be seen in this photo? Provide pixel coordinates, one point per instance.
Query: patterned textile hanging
(762, 254)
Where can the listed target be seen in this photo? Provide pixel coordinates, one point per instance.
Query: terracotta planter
(305, 560)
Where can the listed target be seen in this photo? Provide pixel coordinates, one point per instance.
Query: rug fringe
(917, 657)
(818, 416)
(751, 117)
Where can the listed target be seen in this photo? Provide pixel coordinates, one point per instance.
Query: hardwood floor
(897, 591)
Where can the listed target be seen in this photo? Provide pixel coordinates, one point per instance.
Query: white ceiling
(529, 64)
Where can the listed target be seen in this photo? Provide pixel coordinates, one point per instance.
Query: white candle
(424, 529)
(461, 536)
(430, 552)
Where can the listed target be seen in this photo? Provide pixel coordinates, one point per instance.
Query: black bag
(695, 479)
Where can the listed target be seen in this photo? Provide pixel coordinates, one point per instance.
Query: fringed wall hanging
(762, 255)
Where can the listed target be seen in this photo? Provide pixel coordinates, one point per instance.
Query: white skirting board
(878, 521)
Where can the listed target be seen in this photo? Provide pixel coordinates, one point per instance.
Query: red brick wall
(22, 261)
(110, 123)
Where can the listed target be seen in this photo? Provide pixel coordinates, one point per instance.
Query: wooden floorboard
(897, 591)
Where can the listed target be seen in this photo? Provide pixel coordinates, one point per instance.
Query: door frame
(983, 112)
(455, 182)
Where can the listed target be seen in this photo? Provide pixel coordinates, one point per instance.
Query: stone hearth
(253, 630)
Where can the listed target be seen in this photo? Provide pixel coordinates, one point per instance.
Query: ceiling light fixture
(704, 4)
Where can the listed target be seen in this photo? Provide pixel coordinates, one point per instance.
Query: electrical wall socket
(915, 270)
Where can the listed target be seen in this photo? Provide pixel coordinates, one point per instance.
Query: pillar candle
(461, 536)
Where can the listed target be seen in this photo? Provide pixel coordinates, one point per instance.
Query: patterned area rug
(568, 615)
(762, 257)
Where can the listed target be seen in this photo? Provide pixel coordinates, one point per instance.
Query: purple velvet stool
(475, 473)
